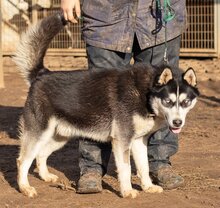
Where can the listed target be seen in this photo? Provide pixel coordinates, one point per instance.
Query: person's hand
(68, 6)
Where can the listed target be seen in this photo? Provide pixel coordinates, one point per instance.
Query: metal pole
(1, 57)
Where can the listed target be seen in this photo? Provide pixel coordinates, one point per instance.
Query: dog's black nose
(177, 122)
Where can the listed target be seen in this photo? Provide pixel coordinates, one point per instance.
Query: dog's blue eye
(167, 102)
(185, 103)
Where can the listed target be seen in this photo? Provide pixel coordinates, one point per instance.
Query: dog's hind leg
(30, 147)
(139, 152)
(53, 145)
(121, 150)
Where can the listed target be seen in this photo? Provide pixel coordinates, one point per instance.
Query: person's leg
(162, 144)
(107, 59)
(94, 156)
(93, 161)
(155, 55)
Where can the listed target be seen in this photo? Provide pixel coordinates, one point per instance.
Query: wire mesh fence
(200, 35)
(16, 20)
(70, 37)
(199, 39)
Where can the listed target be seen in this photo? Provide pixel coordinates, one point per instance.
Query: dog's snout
(177, 122)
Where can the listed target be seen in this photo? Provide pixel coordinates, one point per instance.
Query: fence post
(1, 57)
(34, 12)
(218, 27)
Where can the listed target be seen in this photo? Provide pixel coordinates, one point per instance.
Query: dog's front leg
(121, 150)
(139, 152)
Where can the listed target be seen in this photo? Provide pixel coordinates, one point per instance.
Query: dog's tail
(34, 43)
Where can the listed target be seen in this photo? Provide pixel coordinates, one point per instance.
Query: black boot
(90, 182)
(167, 178)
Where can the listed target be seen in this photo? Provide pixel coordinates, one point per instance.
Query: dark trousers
(163, 143)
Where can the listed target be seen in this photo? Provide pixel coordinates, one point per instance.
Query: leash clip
(165, 58)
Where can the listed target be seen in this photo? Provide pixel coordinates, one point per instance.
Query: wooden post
(218, 27)
(34, 12)
(1, 57)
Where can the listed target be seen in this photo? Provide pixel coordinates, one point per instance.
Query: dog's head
(173, 97)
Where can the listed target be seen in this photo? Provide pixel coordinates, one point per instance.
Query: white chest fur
(145, 125)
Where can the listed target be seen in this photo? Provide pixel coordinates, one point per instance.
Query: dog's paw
(153, 189)
(50, 178)
(28, 191)
(130, 194)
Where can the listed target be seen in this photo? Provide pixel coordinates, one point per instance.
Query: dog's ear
(190, 77)
(165, 76)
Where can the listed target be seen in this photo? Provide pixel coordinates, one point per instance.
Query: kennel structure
(202, 38)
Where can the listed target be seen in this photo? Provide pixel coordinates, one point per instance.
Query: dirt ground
(198, 159)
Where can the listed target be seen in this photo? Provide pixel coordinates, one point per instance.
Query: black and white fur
(117, 106)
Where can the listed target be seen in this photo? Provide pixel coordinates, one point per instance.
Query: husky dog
(117, 106)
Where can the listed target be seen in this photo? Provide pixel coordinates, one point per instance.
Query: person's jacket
(112, 24)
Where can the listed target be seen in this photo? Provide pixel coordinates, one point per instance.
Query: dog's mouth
(175, 130)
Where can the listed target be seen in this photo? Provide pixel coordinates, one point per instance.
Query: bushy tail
(34, 43)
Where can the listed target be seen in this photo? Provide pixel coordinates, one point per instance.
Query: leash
(169, 14)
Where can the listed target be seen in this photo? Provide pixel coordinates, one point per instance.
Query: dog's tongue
(175, 130)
